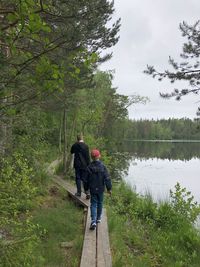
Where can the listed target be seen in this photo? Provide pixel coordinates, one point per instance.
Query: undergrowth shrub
(166, 217)
(18, 234)
(183, 203)
(146, 208)
(167, 227)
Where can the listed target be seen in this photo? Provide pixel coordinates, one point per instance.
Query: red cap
(95, 153)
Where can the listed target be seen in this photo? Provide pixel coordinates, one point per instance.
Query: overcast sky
(149, 35)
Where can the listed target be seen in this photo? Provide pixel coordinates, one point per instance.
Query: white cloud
(149, 35)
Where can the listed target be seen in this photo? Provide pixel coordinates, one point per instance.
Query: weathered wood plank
(71, 191)
(100, 254)
(104, 258)
(64, 183)
(88, 258)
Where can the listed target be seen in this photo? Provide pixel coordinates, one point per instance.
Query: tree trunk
(60, 136)
(72, 128)
(65, 141)
(6, 122)
(3, 137)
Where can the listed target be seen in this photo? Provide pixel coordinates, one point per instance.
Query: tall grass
(144, 233)
(60, 221)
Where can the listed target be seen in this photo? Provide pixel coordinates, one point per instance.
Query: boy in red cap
(97, 180)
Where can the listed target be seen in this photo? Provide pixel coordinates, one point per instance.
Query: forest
(165, 129)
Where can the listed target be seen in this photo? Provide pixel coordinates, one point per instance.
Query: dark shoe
(88, 196)
(78, 194)
(93, 225)
(98, 220)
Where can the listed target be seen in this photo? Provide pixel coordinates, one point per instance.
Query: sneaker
(87, 196)
(98, 220)
(78, 194)
(92, 225)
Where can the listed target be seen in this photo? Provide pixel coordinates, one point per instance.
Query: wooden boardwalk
(96, 246)
(71, 191)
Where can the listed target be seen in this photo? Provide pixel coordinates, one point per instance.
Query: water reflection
(158, 176)
(163, 150)
(157, 167)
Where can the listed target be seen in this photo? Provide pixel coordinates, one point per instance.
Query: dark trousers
(96, 205)
(80, 175)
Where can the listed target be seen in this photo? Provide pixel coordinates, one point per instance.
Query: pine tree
(189, 69)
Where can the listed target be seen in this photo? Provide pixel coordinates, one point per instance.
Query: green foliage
(117, 163)
(46, 47)
(48, 76)
(16, 196)
(146, 208)
(155, 234)
(17, 190)
(20, 238)
(34, 137)
(166, 217)
(182, 202)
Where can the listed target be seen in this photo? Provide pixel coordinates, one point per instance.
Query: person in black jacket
(80, 152)
(97, 180)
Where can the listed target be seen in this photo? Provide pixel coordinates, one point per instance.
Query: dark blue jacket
(97, 178)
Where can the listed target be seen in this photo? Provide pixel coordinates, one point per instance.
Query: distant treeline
(185, 129)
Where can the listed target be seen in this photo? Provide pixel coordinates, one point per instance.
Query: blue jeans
(96, 205)
(80, 175)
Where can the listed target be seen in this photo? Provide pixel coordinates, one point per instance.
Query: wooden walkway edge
(103, 245)
(88, 257)
(96, 247)
(71, 191)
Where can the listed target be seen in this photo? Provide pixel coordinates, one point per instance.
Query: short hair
(79, 137)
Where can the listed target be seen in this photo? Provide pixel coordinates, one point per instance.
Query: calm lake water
(157, 167)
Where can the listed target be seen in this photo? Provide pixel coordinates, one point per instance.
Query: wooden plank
(64, 183)
(81, 200)
(104, 258)
(100, 254)
(72, 190)
(88, 258)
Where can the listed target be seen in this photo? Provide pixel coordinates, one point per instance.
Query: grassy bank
(36, 217)
(145, 234)
(60, 221)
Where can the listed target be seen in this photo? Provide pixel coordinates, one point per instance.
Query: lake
(156, 167)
